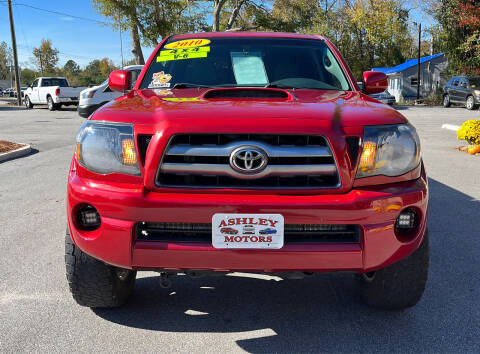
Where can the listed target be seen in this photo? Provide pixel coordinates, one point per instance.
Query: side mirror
(374, 82)
(120, 80)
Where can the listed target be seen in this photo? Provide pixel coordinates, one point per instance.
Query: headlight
(104, 148)
(390, 150)
(477, 93)
(88, 94)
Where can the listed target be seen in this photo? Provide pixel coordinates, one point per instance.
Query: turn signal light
(78, 150)
(367, 161)
(129, 155)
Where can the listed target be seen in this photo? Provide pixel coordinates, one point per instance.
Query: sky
(78, 39)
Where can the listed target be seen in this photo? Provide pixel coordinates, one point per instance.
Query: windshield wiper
(183, 85)
(281, 86)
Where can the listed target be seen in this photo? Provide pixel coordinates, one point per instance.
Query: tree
(150, 20)
(46, 57)
(106, 66)
(93, 68)
(460, 34)
(71, 70)
(5, 61)
(71, 67)
(27, 76)
(217, 8)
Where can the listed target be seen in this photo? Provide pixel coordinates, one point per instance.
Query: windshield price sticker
(247, 231)
(188, 43)
(183, 53)
(248, 68)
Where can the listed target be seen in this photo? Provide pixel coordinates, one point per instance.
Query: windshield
(474, 82)
(245, 62)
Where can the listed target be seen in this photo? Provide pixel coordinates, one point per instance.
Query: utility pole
(418, 62)
(15, 57)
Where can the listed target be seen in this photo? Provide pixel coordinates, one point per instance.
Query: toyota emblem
(248, 159)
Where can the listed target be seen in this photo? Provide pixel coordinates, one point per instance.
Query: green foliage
(154, 18)
(470, 132)
(434, 99)
(46, 57)
(460, 35)
(27, 76)
(5, 60)
(368, 33)
(71, 67)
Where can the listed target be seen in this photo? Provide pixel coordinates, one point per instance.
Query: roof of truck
(245, 34)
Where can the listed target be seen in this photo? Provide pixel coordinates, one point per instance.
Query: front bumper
(121, 206)
(86, 110)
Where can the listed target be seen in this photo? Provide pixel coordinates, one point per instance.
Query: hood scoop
(252, 93)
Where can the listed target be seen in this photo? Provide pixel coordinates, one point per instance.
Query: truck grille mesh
(203, 161)
(202, 232)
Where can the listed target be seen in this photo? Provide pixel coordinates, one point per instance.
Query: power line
(24, 46)
(59, 13)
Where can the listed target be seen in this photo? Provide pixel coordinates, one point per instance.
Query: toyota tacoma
(247, 131)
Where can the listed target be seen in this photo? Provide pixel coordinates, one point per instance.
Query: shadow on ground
(402, 108)
(323, 312)
(66, 109)
(5, 107)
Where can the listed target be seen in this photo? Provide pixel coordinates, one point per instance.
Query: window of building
(413, 81)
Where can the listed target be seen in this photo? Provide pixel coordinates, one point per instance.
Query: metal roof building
(402, 79)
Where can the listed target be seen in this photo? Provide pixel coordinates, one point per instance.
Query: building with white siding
(402, 79)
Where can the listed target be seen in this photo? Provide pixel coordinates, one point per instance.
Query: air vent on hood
(246, 93)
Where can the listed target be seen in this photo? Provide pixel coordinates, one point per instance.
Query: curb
(25, 150)
(451, 127)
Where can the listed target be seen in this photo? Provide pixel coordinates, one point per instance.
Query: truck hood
(351, 108)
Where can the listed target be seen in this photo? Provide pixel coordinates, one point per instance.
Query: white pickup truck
(53, 91)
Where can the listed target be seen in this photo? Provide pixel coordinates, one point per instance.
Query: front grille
(203, 161)
(202, 232)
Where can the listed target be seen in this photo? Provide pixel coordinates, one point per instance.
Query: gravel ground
(243, 312)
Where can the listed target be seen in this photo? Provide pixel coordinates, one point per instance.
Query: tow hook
(165, 281)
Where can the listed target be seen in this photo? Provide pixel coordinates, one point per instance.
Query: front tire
(446, 101)
(400, 285)
(470, 104)
(28, 104)
(94, 283)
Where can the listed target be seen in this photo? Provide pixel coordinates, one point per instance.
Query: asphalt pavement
(242, 312)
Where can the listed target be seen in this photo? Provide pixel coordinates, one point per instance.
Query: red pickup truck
(252, 132)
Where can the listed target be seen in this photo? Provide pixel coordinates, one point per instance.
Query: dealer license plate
(247, 231)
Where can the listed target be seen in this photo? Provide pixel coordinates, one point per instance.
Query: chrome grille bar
(226, 170)
(272, 151)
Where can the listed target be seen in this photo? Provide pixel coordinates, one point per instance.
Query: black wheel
(400, 285)
(51, 105)
(446, 101)
(470, 104)
(28, 104)
(94, 283)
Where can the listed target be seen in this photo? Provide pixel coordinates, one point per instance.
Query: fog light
(406, 220)
(88, 218)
